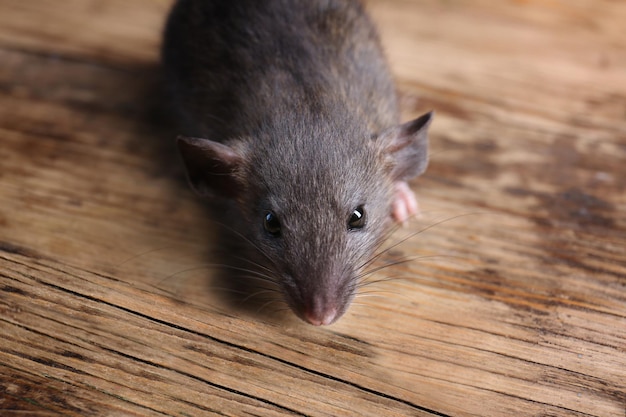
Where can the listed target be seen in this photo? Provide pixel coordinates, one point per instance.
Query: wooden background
(516, 305)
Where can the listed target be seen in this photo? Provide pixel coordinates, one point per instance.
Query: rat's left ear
(407, 146)
(212, 167)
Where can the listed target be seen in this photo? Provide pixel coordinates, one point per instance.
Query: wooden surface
(516, 305)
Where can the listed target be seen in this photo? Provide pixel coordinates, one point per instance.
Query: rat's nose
(318, 317)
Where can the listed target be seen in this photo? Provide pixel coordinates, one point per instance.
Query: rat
(290, 114)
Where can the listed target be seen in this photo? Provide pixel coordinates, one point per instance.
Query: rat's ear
(407, 146)
(211, 166)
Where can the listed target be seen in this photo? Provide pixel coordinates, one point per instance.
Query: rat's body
(299, 115)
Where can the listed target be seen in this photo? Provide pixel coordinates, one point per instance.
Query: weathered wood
(516, 304)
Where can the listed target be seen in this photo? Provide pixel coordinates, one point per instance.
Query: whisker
(246, 239)
(270, 302)
(359, 304)
(394, 229)
(367, 283)
(379, 268)
(171, 293)
(256, 294)
(383, 240)
(254, 263)
(401, 261)
(225, 266)
(144, 253)
(404, 260)
(260, 278)
(376, 293)
(412, 235)
(279, 309)
(394, 278)
(209, 287)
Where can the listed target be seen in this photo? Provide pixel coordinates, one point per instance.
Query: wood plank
(111, 302)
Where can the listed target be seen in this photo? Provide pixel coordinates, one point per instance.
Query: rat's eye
(271, 224)
(357, 219)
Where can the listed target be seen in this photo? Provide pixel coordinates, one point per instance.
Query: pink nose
(321, 318)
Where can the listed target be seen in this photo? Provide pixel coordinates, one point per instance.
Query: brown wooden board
(515, 302)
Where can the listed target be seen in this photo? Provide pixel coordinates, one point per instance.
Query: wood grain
(515, 304)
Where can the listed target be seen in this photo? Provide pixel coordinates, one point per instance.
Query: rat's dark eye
(357, 219)
(271, 224)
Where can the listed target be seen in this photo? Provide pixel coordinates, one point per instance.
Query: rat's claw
(404, 204)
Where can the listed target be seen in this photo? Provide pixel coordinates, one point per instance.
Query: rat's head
(316, 204)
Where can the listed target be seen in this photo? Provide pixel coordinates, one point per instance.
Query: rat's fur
(299, 115)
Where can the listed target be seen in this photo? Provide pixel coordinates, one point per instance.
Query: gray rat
(290, 113)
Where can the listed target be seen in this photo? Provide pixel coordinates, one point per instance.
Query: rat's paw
(404, 204)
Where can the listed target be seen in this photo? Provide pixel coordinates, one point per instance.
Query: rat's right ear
(407, 145)
(212, 167)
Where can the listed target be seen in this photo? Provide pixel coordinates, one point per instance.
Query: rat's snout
(320, 313)
(323, 319)
(319, 297)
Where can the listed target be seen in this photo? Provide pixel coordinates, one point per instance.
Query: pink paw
(404, 204)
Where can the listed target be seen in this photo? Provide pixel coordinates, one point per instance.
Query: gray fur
(297, 109)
